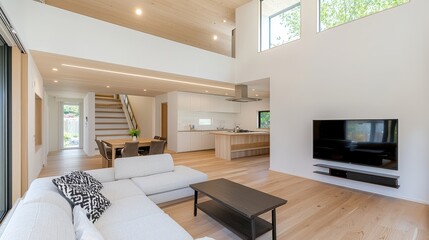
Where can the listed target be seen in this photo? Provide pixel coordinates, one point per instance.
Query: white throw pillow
(84, 229)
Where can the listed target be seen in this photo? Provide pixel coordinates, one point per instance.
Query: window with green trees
(280, 22)
(264, 119)
(336, 12)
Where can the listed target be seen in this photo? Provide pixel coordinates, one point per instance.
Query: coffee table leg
(273, 222)
(195, 203)
(252, 222)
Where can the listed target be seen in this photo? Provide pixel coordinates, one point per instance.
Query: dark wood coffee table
(237, 207)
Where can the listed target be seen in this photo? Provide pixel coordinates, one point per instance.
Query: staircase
(110, 120)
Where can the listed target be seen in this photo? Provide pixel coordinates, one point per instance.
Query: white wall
(89, 144)
(225, 120)
(53, 122)
(375, 67)
(144, 111)
(49, 29)
(36, 157)
(172, 120)
(248, 117)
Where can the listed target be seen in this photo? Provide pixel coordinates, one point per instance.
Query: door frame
(164, 120)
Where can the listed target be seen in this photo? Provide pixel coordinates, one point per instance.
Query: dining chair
(106, 153)
(157, 147)
(131, 149)
(145, 149)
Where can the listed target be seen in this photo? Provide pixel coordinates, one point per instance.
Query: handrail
(129, 114)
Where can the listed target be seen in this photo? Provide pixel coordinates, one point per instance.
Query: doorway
(164, 120)
(71, 123)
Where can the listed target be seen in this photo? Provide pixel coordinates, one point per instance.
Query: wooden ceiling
(96, 76)
(191, 22)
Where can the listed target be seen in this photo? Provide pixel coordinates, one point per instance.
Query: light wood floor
(314, 210)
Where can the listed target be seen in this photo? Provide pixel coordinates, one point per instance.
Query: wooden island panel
(230, 145)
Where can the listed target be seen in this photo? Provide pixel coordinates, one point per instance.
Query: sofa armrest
(9, 216)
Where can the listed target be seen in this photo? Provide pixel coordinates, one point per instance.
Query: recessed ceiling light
(206, 91)
(55, 81)
(224, 21)
(253, 89)
(215, 37)
(139, 11)
(144, 90)
(256, 95)
(147, 76)
(108, 86)
(55, 69)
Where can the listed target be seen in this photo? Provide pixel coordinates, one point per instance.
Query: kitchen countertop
(240, 134)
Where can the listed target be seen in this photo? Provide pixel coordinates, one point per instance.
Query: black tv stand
(359, 175)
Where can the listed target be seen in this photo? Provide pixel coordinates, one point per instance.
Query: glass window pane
(5, 122)
(280, 22)
(264, 119)
(336, 12)
(2, 133)
(71, 126)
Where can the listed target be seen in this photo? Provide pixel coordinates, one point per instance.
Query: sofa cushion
(143, 166)
(120, 189)
(156, 226)
(181, 177)
(89, 199)
(39, 221)
(127, 209)
(171, 195)
(84, 229)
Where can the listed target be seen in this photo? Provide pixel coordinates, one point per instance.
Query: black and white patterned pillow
(87, 179)
(93, 202)
(79, 177)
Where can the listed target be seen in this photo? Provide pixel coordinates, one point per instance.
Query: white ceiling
(93, 76)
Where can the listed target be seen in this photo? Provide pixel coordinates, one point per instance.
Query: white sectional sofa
(134, 186)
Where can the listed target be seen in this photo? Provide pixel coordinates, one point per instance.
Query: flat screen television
(371, 142)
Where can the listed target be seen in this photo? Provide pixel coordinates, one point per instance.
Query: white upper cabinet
(195, 102)
(184, 101)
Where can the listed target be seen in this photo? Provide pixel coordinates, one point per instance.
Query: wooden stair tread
(108, 104)
(111, 123)
(108, 99)
(104, 95)
(110, 117)
(112, 129)
(104, 111)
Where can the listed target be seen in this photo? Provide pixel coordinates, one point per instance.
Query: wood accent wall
(24, 123)
(16, 124)
(38, 118)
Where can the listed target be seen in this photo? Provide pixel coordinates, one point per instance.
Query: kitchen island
(230, 145)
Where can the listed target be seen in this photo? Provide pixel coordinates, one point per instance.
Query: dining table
(119, 143)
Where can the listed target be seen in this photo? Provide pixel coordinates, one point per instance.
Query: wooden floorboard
(314, 210)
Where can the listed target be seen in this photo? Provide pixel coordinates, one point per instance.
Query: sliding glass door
(5, 128)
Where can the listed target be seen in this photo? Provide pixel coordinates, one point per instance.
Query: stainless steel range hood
(241, 95)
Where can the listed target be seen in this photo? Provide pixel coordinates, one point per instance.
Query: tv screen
(367, 142)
